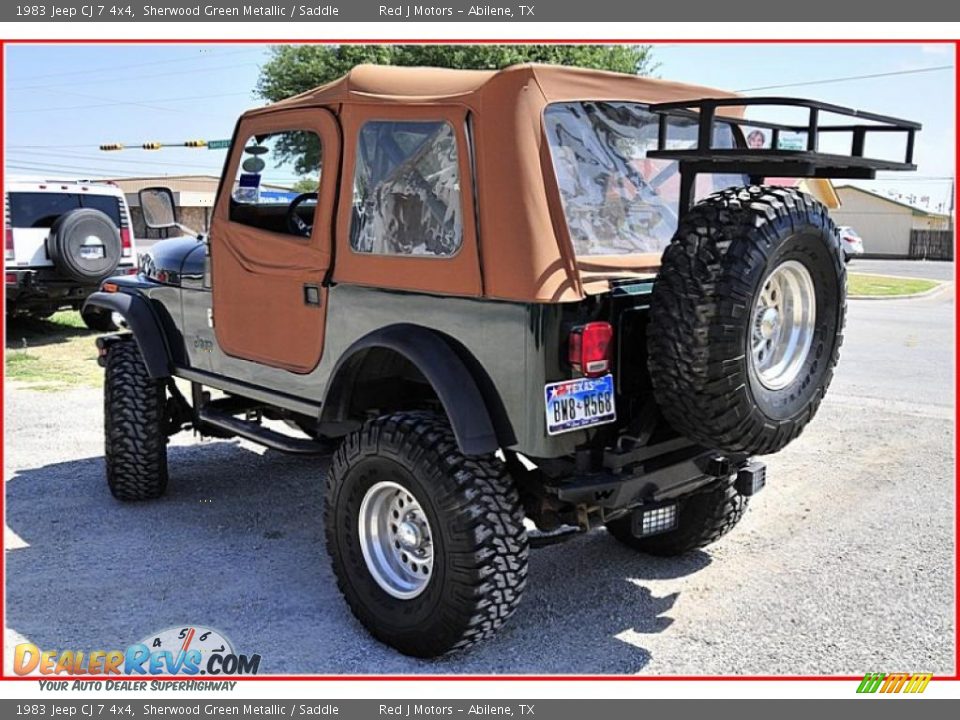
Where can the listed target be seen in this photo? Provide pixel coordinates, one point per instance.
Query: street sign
(218, 144)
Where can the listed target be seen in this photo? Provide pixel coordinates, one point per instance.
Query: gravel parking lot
(844, 564)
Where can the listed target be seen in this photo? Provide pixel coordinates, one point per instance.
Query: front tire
(134, 423)
(704, 516)
(428, 545)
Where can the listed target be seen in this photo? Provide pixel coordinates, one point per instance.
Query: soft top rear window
(617, 201)
(41, 209)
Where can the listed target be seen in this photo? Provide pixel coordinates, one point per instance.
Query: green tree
(293, 69)
(305, 185)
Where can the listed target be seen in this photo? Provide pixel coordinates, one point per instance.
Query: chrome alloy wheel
(396, 540)
(782, 324)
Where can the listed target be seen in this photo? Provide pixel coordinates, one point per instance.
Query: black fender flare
(473, 417)
(143, 324)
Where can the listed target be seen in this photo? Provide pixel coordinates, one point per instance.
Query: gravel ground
(844, 564)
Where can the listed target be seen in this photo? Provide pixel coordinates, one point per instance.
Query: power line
(909, 180)
(81, 169)
(923, 177)
(114, 79)
(104, 159)
(48, 170)
(126, 66)
(827, 81)
(88, 146)
(131, 102)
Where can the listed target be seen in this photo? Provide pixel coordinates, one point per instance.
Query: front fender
(453, 383)
(146, 329)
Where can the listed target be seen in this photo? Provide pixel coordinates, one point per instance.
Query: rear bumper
(658, 474)
(30, 288)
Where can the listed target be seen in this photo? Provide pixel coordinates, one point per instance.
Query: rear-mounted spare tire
(84, 245)
(746, 318)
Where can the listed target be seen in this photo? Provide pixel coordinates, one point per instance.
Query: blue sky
(64, 101)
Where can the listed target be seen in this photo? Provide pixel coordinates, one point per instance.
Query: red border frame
(453, 678)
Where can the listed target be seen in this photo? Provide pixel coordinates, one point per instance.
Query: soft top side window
(275, 188)
(406, 190)
(616, 200)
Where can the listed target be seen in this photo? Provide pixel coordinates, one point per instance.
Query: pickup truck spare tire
(746, 318)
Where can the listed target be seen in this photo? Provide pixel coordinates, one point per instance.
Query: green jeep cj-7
(542, 293)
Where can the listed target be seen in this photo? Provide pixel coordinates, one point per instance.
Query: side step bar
(261, 435)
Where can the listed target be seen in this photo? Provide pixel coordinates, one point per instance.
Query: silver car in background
(851, 243)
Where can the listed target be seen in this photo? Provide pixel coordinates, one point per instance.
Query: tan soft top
(525, 249)
(428, 85)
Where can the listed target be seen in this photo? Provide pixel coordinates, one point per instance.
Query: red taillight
(9, 252)
(590, 348)
(125, 244)
(11, 278)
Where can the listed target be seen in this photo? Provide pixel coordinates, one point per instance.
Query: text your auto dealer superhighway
(240, 11)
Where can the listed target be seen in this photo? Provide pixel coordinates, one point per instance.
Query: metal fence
(931, 244)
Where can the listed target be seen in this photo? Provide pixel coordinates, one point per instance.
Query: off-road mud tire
(699, 331)
(704, 516)
(480, 544)
(134, 424)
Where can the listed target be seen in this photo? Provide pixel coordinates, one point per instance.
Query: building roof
(821, 188)
(916, 210)
(177, 183)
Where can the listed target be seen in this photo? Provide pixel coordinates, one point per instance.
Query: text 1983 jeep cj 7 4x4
(505, 299)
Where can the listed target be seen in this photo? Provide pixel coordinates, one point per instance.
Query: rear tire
(704, 516)
(750, 271)
(134, 407)
(469, 543)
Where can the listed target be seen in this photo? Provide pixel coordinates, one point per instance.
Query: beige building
(884, 224)
(192, 194)
(821, 188)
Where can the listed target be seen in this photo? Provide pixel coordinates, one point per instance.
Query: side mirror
(158, 208)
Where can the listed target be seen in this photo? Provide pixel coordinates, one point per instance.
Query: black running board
(261, 435)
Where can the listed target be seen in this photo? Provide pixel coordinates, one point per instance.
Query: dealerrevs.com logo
(187, 650)
(895, 683)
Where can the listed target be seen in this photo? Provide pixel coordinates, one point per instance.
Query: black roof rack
(778, 159)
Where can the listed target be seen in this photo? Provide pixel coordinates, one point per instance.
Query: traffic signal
(109, 147)
(152, 146)
(195, 143)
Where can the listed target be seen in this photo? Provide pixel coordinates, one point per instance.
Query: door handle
(311, 295)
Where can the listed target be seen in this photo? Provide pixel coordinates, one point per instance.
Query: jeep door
(271, 235)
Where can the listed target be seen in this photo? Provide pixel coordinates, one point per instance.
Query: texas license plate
(92, 252)
(576, 404)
